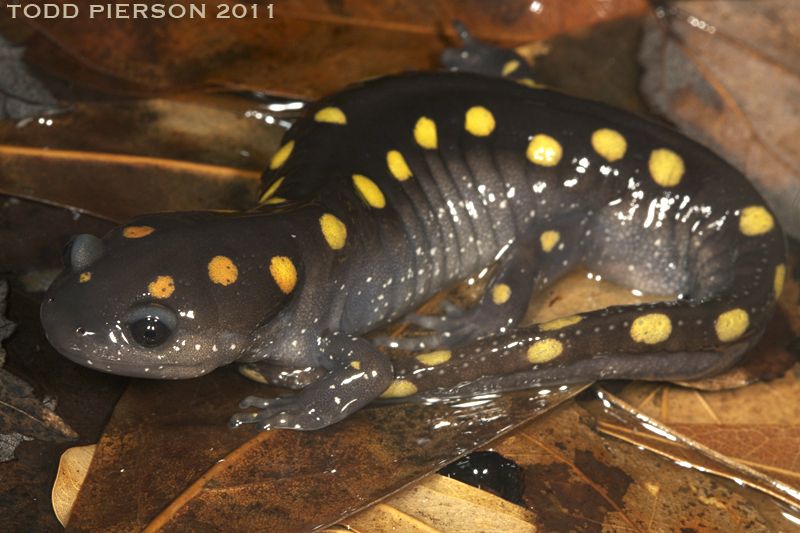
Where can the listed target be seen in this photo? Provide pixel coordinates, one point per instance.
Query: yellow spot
(610, 144)
(269, 192)
(86, 276)
(368, 191)
(501, 293)
(666, 167)
(559, 323)
(284, 273)
(544, 150)
(397, 165)
(281, 155)
(334, 115)
(549, 239)
(275, 200)
(510, 67)
(755, 220)
(479, 121)
(731, 325)
(529, 82)
(356, 365)
(434, 358)
(334, 230)
(249, 373)
(222, 270)
(162, 287)
(780, 278)
(134, 232)
(545, 350)
(425, 133)
(399, 388)
(651, 329)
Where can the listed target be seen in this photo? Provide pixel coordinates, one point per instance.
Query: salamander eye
(150, 331)
(151, 325)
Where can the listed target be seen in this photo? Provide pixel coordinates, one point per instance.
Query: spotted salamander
(391, 190)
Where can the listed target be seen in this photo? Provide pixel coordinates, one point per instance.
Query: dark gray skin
(471, 200)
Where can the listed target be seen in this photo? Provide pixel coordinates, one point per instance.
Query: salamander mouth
(153, 370)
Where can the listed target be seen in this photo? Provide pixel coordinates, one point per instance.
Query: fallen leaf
(21, 95)
(621, 420)
(21, 412)
(728, 75)
(579, 481)
(167, 461)
(308, 48)
(72, 469)
(442, 505)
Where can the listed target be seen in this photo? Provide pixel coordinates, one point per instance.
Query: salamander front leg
(357, 374)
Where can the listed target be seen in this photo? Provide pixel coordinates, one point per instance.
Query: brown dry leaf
(72, 471)
(442, 505)
(579, 481)
(154, 155)
(310, 47)
(775, 497)
(728, 74)
(21, 412)
(167, 461)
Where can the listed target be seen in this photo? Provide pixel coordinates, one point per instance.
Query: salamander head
(172, 295)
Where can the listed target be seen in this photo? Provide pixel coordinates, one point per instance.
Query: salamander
(393, 189)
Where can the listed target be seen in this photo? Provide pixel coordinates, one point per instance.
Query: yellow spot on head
(610, 144)
(281, 155)
(479, 121)
(544, 150)
(651, 329)
(222, 270)
(731, 325)
(356, 365)
(284, 273)
(559, 323)
(780, 278)
(269, 192)
(334, 230)
(84, 277)
(135, 232)
(544, 351)
(397, 165)
(334, 115)
(162, 287)
(666, 167)
(425, 133)
(434, 358)
(399, 388)
(549, 239)
(501, 293)
(368, 191)
(755, 220)
(510, 67)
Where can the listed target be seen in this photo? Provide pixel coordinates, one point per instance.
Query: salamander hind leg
(536, 258)
(357, 374)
